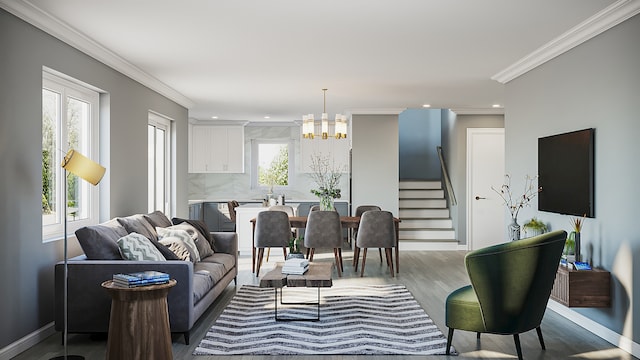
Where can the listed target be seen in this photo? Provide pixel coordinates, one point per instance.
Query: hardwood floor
(430, 276)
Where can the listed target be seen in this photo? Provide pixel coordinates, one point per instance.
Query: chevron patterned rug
(354, 320)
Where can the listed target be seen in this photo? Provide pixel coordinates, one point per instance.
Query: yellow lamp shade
(82, 166)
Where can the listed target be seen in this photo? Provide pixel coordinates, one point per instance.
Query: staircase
(426, 223)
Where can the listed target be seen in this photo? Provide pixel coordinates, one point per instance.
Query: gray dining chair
(324, 230)
(359, 211)
(376, 230)
(290, 212)
(272, 230)
(314, 208)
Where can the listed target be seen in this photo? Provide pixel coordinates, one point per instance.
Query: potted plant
(295, 248)
(574, 236)
(534, 227)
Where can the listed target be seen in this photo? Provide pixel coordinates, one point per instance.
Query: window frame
(255, 156)
(159, 121)
(71, 88)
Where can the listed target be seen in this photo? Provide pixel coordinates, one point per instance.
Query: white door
(485, 168)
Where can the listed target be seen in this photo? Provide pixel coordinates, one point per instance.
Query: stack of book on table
(141, 278)
(295, 266)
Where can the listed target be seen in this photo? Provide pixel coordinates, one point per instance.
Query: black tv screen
(566, 173)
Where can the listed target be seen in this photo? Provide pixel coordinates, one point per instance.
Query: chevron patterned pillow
(137, 247)
(184, 236)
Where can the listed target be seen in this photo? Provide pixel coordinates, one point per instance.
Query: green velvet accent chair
(510, 288)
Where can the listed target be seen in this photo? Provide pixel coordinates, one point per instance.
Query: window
(69, 121)
(159, 164)
(271, 164)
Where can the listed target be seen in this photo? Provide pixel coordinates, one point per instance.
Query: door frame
(469, 200)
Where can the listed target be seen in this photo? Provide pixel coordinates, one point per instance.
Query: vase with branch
(516, 202)
(327, 177)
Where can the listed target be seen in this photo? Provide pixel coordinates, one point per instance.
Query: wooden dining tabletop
(350, 222)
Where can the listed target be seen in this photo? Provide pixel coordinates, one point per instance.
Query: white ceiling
(247, 59)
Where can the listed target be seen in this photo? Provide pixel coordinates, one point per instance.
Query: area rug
(367, 320)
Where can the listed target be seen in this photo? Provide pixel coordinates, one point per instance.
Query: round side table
(139, 322)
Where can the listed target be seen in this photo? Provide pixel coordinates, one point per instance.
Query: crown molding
(35, 16)
(390, 111)
(478, 111)
(604, 20)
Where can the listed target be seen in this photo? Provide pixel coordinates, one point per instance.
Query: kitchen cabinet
(216, 148)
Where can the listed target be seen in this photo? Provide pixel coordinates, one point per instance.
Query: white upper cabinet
(216, 148)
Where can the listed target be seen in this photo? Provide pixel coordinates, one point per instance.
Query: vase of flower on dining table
(327, 178)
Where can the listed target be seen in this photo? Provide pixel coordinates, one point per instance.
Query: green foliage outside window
(278, 171)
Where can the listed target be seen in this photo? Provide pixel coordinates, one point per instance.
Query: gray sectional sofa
(199, 283)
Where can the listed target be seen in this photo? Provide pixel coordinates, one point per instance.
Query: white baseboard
(605, 333)
(26, 342)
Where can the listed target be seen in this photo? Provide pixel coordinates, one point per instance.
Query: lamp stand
(66, 280)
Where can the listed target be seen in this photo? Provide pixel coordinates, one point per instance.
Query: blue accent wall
(420, 133)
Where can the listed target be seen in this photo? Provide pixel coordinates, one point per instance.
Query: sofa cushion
(205, 277)
(202, 243)
(184, 236)
(178, 247)
(100, 242)
(158, 219)
(200, 225)
(227, 261)
(137, 247)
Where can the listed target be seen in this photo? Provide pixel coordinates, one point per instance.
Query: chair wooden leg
(389, 260)
(356, 258)
(380, 252)
(449, 339)
(337, 260)
(364, 260)
(340, 256)
(259, 260)
(268, 253)
(308, 252)
(539, 331)
(516, 339)
(311, 252)
(284, 252)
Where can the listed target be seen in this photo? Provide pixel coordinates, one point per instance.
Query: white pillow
(182, 235)
(137, 247)
(178, 247)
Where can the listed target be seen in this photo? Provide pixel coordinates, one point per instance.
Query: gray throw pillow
(137, 247)
(158, 219)
(100, 242)
(137, 223)
(204, 248)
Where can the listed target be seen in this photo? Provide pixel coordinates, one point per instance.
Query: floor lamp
(92, 172)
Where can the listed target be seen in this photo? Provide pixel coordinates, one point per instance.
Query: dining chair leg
(284, 252)
(356, 258)
(337, 260)
(308, 252)
(449, 339)
(268, 253)
(516, 339)
(259, 260)
(340, 256)
(389, 260)
(311, 252)
(380, 252)
(364, 260)
(539, 331)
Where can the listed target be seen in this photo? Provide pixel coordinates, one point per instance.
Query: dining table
(349, 222)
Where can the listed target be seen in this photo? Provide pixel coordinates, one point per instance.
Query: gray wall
(27, 263)
(374, 145)
(420, 134)
(596, 84)
(454, 148)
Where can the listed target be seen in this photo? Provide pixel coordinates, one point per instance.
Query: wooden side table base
(139, 322)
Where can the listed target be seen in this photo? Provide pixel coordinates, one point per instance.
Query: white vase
(514, 230)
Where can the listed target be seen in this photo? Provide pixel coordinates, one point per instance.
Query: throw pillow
(204, 248)
(182, 235)
(137, 247)
(200, 225)
(178, 247)
(99, 242)
(137, 223)
(158, 219)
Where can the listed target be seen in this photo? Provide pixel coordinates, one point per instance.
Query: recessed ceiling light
(496, 105)
(426, 105)
(214, 117)
(267, 117)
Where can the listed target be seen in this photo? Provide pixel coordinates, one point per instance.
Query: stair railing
(447, 181)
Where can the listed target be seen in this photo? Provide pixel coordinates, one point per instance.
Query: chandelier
(309, 124)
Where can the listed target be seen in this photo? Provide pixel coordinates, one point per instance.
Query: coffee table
(318, 276)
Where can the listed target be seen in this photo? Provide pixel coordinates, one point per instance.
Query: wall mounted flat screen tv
(566, 173)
